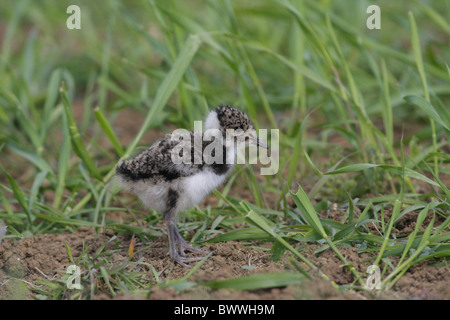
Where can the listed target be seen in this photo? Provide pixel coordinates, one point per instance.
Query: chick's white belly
(190, 191)
(153, 196)
(198, 186)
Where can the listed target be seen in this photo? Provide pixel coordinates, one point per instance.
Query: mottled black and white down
(169, 187)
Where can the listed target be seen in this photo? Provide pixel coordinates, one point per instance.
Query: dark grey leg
(173, 252)
(184, 245)
(177, 245)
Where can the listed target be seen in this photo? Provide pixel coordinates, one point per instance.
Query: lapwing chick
(168, 185)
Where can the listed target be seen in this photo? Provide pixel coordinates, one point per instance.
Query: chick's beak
(260, 143)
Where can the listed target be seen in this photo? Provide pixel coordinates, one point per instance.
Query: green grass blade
(301, 69)
(415, 42)
(8, 38)
(69, 253)
(50, 102)
(420, 218)
(306, 208)
(442, 117)
(401, 269)
(37, 184)
(75, 137)
(108, 131)
(435, 16)
(67, 221)
(263, 224)
(387, 234)
(189, 274)
(105, 277)
(19, 195)
(397, 169)
(169, 85)
(257, 281)
(309, 213)
(241, 235)
(439, 181)
(63, 164)
(388, 118)
(296, 153)
(33, 157)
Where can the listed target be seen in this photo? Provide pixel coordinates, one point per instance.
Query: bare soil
(25, 262)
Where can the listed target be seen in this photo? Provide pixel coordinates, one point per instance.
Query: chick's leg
(184, 245)
(177, 246)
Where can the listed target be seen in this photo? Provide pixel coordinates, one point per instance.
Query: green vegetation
(363, 118)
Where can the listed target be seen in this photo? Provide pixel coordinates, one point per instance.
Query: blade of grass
(108, 131)
(415, 42)
(438, 180)
(401, 269)
(435, 16)
(296, 153)
(442, 117)
(296, 52)
(8, 38)
(387, 106)
(69, 252)
(20, 196)
(257, 281)
(420, 218)
(105, 277)
(37, 184)
(189, 274)
(169, 84)
(241, 235)
(75, 137)
(398, 169)
(395, 212)
(301, 69)
(67, 221)
(309, 32)
(261, 223)
(33, 157)
(307, 209)
(50, 102)
(63, 164)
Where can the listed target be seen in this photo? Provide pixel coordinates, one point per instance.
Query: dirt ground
(44, 256)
